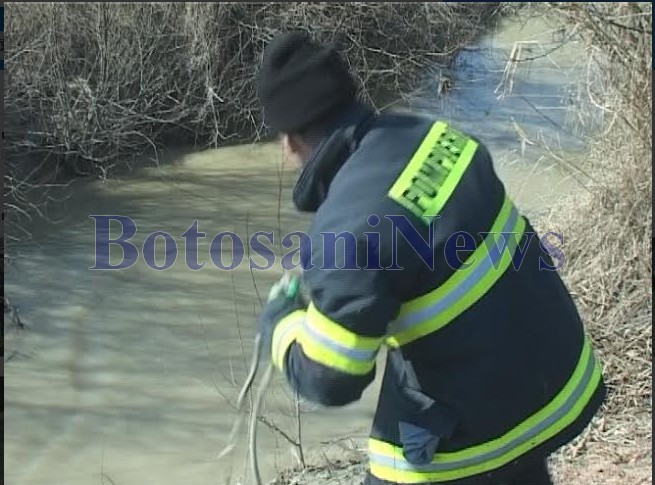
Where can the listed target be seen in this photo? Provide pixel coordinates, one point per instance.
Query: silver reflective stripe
(290, 328)
(354, 354)
(488, 264)
(530, 434)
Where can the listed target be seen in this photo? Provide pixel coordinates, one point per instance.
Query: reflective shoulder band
(331, 344)
(434, 171)
(388, 463)
(482, 270)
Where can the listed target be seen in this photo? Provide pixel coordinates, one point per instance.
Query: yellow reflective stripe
(286, 331)
(329, 343)
(389, 473)
(458, 276)
(436, 309)
(388, 462)
(330, 358)
(336, 332)
(405, 180)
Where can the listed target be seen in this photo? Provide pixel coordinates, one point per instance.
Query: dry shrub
(89, 86)
(607, 231)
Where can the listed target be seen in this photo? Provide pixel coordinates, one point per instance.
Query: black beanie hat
(301, 81)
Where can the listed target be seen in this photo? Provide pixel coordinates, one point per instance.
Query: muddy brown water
(128, 376)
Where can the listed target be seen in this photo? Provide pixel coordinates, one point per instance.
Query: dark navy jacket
(496, 364)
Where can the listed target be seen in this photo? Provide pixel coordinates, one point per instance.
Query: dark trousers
(532, 474)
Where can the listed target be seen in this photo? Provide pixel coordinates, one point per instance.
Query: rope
(291, 286)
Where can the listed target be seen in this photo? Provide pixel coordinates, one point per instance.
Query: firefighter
(488, 368)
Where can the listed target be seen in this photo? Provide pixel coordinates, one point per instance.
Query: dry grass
(608, 230)
(607, 242)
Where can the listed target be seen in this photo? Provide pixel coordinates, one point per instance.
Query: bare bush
(608, 230)
(90, 86)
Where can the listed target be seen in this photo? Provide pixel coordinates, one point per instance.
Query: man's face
(295, 151)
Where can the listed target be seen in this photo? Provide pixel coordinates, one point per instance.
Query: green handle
(292, 289)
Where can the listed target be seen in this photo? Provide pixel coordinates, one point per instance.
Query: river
(128, 377)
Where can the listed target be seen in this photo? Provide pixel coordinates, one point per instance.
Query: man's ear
(296, 145)
(295, 149)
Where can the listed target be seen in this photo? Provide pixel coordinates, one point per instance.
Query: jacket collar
(329, 156)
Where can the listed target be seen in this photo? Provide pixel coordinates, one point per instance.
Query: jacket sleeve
(328, 352)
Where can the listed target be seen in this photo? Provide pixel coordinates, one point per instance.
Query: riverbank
(130, 376)
(595, 464)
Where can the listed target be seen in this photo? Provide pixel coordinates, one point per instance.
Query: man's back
(488, 368)
(485, 323)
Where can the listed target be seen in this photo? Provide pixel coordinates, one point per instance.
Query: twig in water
(252, 442)
(254, 365)
(259, 399)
